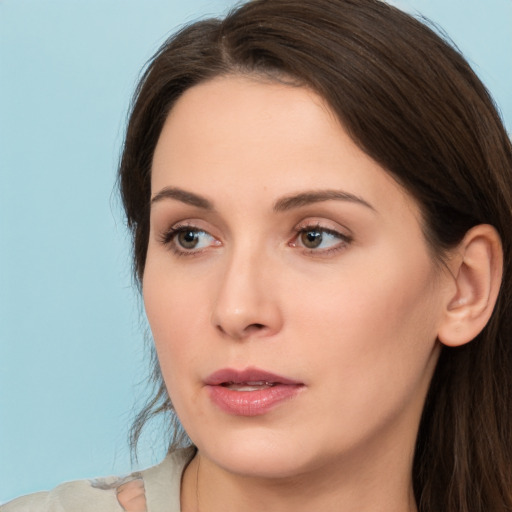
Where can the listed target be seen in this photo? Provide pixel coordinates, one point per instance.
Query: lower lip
(252, 403)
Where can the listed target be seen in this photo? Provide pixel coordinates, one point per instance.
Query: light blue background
(71, 332)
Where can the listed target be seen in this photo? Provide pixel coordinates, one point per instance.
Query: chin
(267, 455)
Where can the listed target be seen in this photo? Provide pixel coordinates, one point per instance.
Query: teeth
(248, 386)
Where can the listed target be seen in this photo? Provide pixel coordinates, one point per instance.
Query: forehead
(246, 135)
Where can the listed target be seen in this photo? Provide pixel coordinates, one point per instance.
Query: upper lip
(248, 375)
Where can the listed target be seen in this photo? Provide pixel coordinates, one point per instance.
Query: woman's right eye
(188, 240)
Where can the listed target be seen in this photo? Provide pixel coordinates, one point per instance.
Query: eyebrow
(317, 196)
(284, 204)
(182, 195)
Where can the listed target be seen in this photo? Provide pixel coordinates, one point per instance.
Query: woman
(320, 198)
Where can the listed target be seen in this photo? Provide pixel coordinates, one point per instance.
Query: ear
(476, 267)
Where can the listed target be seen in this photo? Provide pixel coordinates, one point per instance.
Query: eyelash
(168, 239)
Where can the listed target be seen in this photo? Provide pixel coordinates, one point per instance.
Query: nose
(246, 304)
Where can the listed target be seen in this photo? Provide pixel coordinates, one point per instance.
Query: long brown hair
(412, 103)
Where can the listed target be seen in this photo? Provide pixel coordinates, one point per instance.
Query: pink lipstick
(249, 392)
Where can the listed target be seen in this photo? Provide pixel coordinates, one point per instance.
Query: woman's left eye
(320, 239)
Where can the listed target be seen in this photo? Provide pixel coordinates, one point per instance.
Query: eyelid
(323, 225)
(167, 225)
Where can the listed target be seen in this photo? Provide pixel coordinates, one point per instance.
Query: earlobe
(477, 271)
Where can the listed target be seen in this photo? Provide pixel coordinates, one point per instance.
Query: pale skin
(277, 243)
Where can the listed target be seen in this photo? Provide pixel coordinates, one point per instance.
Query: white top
(161, 483)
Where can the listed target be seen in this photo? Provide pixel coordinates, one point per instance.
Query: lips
(249, 392)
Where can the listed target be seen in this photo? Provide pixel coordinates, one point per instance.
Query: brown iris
(188, 239)
(311, 239)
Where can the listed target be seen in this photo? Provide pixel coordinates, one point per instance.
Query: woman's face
(290, 292)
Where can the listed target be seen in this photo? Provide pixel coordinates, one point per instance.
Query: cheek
(177, 308)
(173, 320)
(164, 303)
(371, 327)
(374, 344)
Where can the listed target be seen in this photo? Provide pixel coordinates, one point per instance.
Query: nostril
(244, 332)
(255, 327)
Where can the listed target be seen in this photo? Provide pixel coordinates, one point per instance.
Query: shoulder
(79, 496)
(158, 487)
